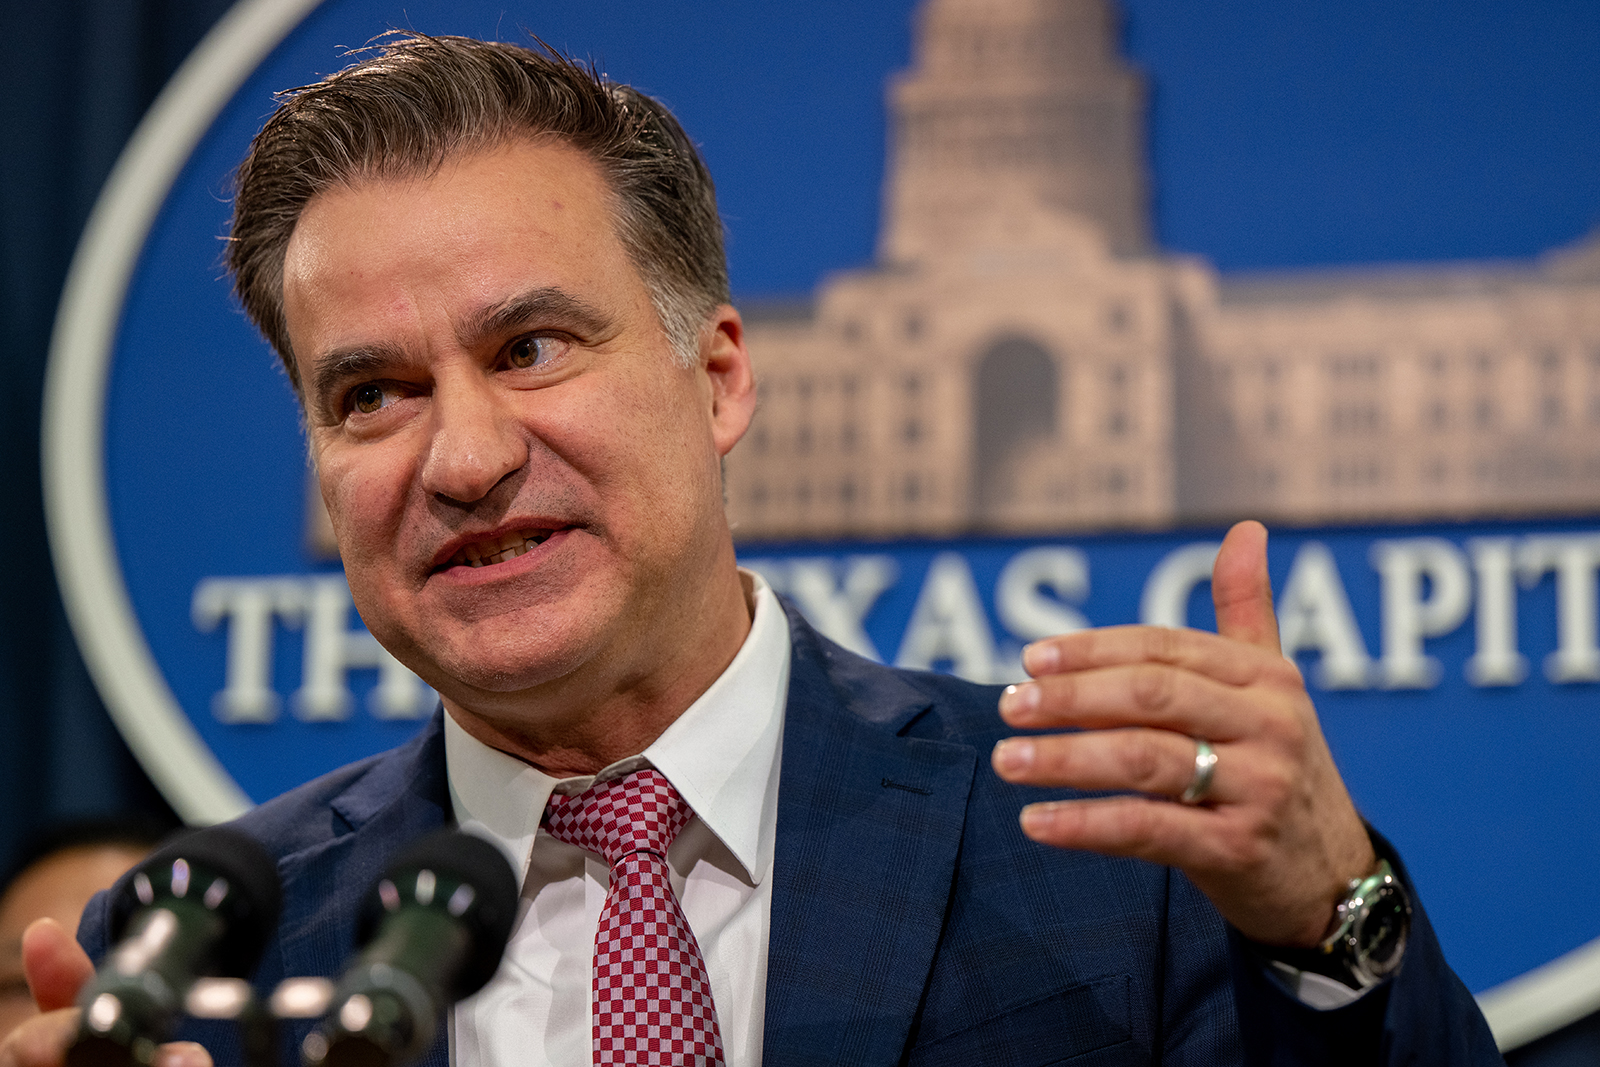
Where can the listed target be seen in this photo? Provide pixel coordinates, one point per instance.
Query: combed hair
(415, 101)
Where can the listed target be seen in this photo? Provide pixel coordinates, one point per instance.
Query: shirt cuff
(1314, 990)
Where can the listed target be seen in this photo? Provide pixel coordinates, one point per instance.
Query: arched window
(1015, 399)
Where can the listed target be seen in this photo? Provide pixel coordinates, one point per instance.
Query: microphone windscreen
(248, 896)
(487, 918)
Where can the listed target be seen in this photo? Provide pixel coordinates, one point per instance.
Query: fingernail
(1037, 818)
(1013, 755)
(183, 1054)
(1041, 657)
(1019, 699)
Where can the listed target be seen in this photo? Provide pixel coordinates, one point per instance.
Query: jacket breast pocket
(1083, 1025)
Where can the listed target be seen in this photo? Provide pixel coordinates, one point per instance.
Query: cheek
(661, 433)
(364, 501)
(607, 433)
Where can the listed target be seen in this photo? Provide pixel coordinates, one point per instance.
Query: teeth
(500, 550)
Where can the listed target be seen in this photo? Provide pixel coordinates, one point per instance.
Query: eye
(534, 351)
(367, 398)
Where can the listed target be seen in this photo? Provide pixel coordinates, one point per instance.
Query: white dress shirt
(722, 755)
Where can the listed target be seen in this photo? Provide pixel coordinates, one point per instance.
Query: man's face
(523, 481)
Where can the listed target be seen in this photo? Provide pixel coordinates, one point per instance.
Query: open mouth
(499, 550)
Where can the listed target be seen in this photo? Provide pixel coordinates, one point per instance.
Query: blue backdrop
(1347, 133)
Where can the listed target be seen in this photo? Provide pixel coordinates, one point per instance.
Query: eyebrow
(342, 364)
(546, 306)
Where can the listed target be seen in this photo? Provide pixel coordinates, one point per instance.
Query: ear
(726, 363)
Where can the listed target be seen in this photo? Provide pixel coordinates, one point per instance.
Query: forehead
(470, 233)
(540, 191)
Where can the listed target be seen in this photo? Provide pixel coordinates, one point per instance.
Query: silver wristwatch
(1368, 936)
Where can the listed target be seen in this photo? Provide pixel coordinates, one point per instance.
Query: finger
(1142, 695)
(1176, 835)
(1241, 590)
(55, 965)
(182, 1054)
(41, 1041)
(1157, 762)
(1226, 660)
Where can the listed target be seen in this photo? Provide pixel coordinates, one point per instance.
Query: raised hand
(1275, 839)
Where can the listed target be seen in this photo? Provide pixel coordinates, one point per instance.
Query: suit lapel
(869, 825)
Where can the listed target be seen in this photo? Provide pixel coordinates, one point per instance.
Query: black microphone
(201, 906)
(431, 932)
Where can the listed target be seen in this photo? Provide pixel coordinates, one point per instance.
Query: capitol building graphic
(1022, 358)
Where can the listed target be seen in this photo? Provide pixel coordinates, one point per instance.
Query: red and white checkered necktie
(652, 997)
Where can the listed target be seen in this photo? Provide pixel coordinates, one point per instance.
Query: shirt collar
(721, 755)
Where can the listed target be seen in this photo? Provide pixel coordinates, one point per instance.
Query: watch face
(1381, 930)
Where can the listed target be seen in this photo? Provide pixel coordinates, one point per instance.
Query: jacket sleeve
(1422, 1015)
(93, 926)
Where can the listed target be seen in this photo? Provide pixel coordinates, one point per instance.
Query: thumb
(54, 963)
(1241, 590)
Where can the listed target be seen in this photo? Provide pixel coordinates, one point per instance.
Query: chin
(502, 648)
(495, 667)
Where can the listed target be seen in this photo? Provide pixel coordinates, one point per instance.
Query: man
(497, 284)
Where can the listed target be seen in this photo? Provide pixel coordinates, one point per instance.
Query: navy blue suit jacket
(912, 923)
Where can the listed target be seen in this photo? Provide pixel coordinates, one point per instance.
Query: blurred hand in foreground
(57, 968)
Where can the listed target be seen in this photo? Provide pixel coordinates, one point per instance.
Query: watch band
(1367, 938)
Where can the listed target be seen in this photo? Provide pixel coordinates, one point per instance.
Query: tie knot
(640, 812)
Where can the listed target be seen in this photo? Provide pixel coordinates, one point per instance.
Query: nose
(475, 441)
